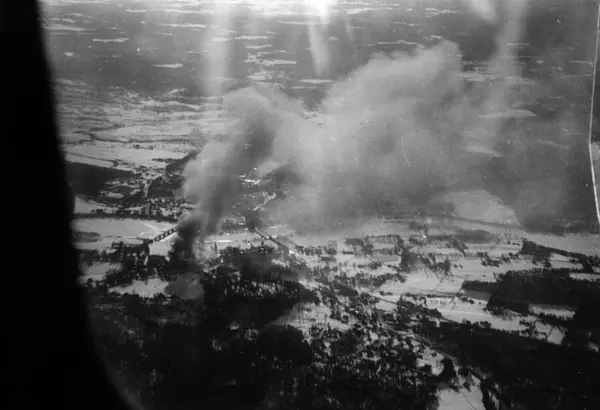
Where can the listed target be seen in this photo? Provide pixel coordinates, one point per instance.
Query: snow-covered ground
(472, 269)
(459, 311)
(116, 229)
(586, 244)
(474, 311)
(453, 306)
(98, 270)
(107, 154)
(85, 206)
(429, 357)
(127, 116)
(135, 230)
(552, 334)
(148, 288)
(162, 247)
(84, 159)
(585, 276)
(422, 282)
(235, 238)
(565, 312)
(445, 291)
(463, 399)
(306, 315)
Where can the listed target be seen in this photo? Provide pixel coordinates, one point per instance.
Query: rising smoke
(401, 128)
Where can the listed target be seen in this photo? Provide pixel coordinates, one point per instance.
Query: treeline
(543, 286)
(225, 353)
(522, 371)
(516, 290)
(541, 252)
(172, 359)
(248, 300)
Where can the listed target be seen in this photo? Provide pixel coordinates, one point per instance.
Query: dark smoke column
(181, 256)
(187, 231)
(212, 180)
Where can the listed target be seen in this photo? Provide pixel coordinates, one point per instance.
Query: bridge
(161, 235)
(284, 246)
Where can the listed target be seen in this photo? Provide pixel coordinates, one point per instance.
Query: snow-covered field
(84, 206)
(307, 315)
(106, 154)
(586, 244)
(84, 159)
(458, 310)
(149, 288)
(114, 230)
(98, 270)
(565, 312)
(463, 399)
(422, 282)
(472, 269)
(162, 247)
(126, 116)
(134, 230)
(585, 276)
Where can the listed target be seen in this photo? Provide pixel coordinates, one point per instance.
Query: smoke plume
(391, 131)
(401, 128)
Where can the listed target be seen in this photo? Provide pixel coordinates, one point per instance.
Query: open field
(117, 229)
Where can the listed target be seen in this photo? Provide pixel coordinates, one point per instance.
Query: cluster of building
(154, 208)
(372, 334)
(362, 279)
(374, 245)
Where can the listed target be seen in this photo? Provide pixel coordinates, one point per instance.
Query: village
(378, 298)
(375, 302)
(386, 266)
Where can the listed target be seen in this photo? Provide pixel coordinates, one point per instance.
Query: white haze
(401, 128)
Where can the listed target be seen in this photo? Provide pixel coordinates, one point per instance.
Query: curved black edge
(51, 360)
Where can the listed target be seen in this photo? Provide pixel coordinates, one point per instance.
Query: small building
(393, 239)
(527, 257)
(355, 241)
(311, 251)
(358, 244)
(385, 258)
(361, 262)
(130, 246)
(383, 249)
